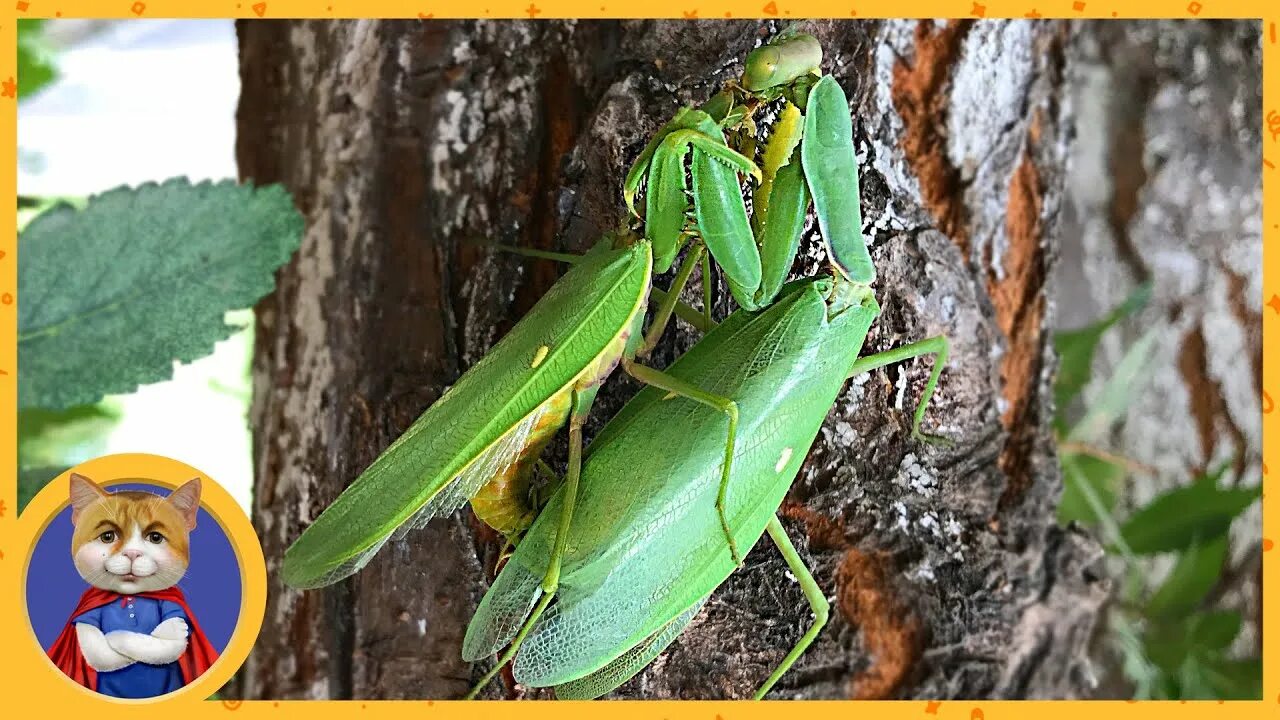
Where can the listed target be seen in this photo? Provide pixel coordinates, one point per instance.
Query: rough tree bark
(1166, 185)
(400, 140)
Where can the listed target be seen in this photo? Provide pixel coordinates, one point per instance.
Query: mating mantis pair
(694, 467)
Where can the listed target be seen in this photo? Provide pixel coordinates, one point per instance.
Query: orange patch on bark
(1207, 404)
(920, 96)
(1019, 307)
(890, 632)
(823, 532)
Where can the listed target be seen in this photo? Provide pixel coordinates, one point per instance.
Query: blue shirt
(140, 615)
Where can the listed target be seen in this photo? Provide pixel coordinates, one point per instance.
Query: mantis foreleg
(551, 580)
(812, 593)
(668, 304)
(707, 290)
(936, 346)
(679, 387)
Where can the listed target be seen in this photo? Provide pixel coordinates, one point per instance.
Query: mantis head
(781, 62)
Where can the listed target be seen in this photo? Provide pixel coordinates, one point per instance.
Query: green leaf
(1194, 575)
(32, 480)
(1234, 679)
(1101, 477)
(1168, 645)
(1129, 377)
(58, 437)
(35, 59)
(1173, 521)
(1076, 348)
(1214, 631)
(111, 295)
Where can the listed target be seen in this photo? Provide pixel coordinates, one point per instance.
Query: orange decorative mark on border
(1273, 119)
(932, 709)
(1078, 6)
(1194, 8)
(10, 88)
(1267, 544)
(23, 5)
(533, 10)
(260, 9)
(1267, 403)
(138, 8)
(978, 10)
(690, 14)
(232, 704)
(770, 9)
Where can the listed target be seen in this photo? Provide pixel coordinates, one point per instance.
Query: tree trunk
(402, 140)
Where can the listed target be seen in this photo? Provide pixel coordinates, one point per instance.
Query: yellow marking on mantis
(541, 355)
(669, 396)
(782, 461)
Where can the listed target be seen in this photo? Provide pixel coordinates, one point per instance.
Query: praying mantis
(479, 442)
(644, 529)
(627, 551)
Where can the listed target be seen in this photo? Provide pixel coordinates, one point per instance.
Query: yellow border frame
(27, 687)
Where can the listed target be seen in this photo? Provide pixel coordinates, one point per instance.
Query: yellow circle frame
(167, 473)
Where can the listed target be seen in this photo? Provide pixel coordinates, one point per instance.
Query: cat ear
(187, 500)
(84, 492)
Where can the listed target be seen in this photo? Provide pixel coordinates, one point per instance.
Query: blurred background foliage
(1168, 630)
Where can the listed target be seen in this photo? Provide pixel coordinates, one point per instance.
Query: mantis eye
(108, 536)
(155, 538)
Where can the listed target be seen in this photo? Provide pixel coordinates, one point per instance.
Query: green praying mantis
(480, 441)
(643, 530)
(628, 550)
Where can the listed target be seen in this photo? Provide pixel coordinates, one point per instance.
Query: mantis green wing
(629, 663)
(645, 545)
(484, 422)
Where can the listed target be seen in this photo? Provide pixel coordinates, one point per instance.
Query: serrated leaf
(1192, 577)
(1076, 348)
(1174, 520)
(111, 295)
(1081, 475)
(32, 480)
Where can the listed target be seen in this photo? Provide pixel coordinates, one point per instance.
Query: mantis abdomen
(504, 502)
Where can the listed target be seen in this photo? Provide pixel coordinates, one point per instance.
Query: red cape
(65, 651)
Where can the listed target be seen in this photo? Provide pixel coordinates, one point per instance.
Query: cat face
(130, 541)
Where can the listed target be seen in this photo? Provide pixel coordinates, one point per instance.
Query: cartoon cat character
(133, 635)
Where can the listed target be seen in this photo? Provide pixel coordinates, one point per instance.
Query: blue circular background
(212, 582)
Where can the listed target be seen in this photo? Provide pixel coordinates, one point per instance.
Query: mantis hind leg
(936, 346)
(812, 593)
(676, 386)
(551, 580)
